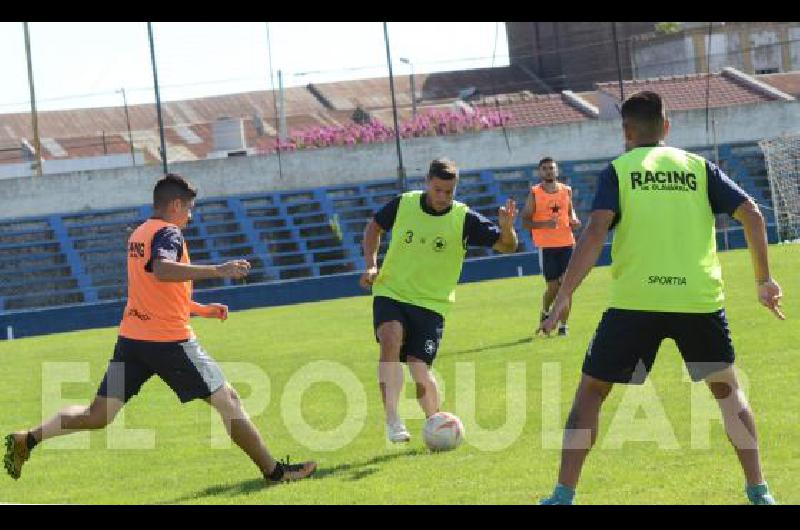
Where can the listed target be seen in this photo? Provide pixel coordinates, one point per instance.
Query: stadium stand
(79, 257)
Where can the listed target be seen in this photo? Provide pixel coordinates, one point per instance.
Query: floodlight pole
(619, 66)
(128, 122)
(413, 89)
(158, 99)
(401, 172)
(37, 144)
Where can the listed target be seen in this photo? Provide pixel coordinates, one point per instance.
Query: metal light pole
(37, 144)
(619, 67)
(158, 98)
(401, 172)
(413, 89)
(128, 121)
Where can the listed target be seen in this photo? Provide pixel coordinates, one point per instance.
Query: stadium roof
(188, 131)
(689, 92)
(788, 82)
(374, 93)
(529, 110)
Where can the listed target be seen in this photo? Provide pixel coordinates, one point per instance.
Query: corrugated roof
(529, 110)
(80, 122)
(375, 93)
(788, 82)
(689, 91)
(188, 123)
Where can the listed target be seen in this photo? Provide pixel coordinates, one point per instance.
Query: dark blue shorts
(554, 261)
(625, 344)
(188, 370)
(422, 328)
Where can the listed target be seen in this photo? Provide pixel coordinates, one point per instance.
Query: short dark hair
(645, 111)
(443, 168)
(546, 160)
(171, 187)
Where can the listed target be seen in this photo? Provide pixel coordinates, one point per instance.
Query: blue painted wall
(87, 316)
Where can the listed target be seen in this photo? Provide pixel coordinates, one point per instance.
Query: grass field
(652, 449)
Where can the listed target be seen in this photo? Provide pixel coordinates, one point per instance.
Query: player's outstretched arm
(172, 271)
(769, 292)
(370, 244)
(219, 311)
(508, 236)
(583, 259)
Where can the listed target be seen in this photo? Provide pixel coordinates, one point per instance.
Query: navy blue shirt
(724, 194)
(167, 244)
(478, 230)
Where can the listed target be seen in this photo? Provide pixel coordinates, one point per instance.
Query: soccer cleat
(562, 495)
(292, 472)
(16, 453)
(563, 330)
(397, 432)
(759, 494)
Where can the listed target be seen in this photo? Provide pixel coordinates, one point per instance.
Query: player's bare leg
(562, 327)
(580, 434)
(390, 377)
(72, 418)
(740, 426)
(244, 433)
(427, 389)
(549, 295)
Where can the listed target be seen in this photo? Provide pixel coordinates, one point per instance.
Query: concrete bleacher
(80, 257)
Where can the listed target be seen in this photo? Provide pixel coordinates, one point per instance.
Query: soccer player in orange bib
(155, 338)
(549, 215)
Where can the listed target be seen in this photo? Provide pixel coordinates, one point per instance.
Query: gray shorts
(188, 370)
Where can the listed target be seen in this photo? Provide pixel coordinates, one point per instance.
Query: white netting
(783, 169)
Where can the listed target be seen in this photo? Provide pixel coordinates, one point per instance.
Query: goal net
(782, 156)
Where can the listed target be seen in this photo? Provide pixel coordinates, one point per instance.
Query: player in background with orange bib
(155, 338)
(549, 215)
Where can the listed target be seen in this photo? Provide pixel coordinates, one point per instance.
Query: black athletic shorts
(625, 344)
(554, 261)
(422, 328)
(188, 370)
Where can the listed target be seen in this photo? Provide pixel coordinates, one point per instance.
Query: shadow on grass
(524, 340)
(355, 471)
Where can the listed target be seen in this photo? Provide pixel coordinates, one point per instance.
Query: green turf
(489, 330)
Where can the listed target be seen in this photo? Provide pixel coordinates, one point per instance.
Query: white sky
(82, 64)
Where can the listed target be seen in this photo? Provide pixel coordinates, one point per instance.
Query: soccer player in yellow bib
(415, 287)
(666, 282)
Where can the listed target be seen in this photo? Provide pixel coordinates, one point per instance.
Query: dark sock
(30, 441)
(277, 473)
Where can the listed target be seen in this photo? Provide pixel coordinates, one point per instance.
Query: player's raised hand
(507, 214)
(368, 278)
(235, 269)
(769, 294)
